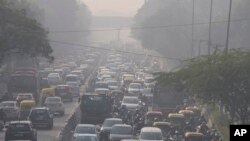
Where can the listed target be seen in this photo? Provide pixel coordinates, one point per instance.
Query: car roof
(88, 135)
(8, 102)
(85, 125)
(40, 108)
(150, 129)
(122, 125)
(21, 121)
(54, 97)
(113, 119)
(130, 97)
(102, 89)
(24, 94)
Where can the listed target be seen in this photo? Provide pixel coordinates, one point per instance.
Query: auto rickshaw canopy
(193, 136)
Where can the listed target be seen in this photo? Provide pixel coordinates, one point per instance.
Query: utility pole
(192, 42)
(228, 27)
(210, 27)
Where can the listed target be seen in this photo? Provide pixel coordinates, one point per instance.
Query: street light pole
(192, 42)
(228, 27)
(210, 27)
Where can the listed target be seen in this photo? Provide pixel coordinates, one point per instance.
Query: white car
(131, 103)
(150, 134)
(102, 91)
(54, 78)
(113, 85)
(73, 78)
(134, 88)
(11, 109)
(84, 129)
(55, 105)
(121, 131)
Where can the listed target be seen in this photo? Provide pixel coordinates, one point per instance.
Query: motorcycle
(1, 125)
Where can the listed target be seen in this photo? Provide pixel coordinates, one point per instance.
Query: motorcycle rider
(3, 116)
(203, 128)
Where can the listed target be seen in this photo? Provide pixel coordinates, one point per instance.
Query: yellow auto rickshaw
(194, 136)
(152, 116)
(164, 126)
(188, 114)
(25, 107)
(46, 92)
(176, 119)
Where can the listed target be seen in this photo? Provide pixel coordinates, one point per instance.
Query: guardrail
(75, 118)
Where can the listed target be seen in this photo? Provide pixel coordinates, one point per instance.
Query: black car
(41, 117)
(20, 130)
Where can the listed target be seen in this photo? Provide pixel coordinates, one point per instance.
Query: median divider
(74, 119)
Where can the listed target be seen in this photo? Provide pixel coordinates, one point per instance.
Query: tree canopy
(21, 34)
(219, 78)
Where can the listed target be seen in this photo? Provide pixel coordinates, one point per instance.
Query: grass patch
(220, 121)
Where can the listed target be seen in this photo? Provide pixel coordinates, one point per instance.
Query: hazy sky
(114, 7)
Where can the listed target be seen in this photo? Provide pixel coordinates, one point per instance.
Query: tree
(218, 78)
(21, 34)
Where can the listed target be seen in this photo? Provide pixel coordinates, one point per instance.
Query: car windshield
(24, 96)
(85, 138)
(7, 104)
(38, 112)
(135, 86)
(113, 83)
(130, 100)
(85, 130)
(121, 130)
(53, 99)
(110, 123)
(151, 136)
(19, 127)
(53, 75)
(71, 78)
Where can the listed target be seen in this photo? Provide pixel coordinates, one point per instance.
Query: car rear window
(19, 127)
(85, 130)
(151, 136)
(35, 113)
(110, 123)
(121, 130)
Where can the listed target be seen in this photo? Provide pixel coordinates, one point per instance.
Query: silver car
(84, 129)
(11, 109)
(55, 105)
(121, 131)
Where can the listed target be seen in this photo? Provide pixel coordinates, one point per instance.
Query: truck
(95, 108)
(166, 99)
(23, 80)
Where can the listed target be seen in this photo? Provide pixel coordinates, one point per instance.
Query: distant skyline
(126, 8)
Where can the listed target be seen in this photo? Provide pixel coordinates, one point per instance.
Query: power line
(121, 51)
(144, 27)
